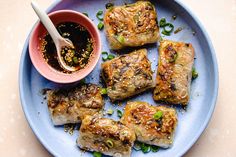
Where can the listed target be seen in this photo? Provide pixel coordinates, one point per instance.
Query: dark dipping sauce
(78, 57)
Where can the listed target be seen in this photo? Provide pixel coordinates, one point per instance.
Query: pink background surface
(16, 137)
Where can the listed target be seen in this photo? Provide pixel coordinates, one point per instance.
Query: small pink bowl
(36, 56)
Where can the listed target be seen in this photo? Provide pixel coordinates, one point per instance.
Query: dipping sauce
(78, 57)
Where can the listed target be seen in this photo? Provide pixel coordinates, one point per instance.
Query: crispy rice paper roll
(127, 75)
(174, 73)
(142, 118)
(106, 136)
(131, 25)
(72, 105)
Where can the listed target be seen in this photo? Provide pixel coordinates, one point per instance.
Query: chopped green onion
(109, 5)
(86, 14)
(110, 111)
(104, 52)
(168, 27)
(110, 57)
(99, 13)
(75, 60)
(137, 146)
(103, 91)
(158, 115)
(105, 55)
(194, 73)
(97, 154)
(109, 143)
(173, 58)
(161, 39)
(154, 148)
(119, 113)
(100, 25)
(121, 39)
(162, 22)
(89, 49)
(165, 33)
(63, 51)
(145, 148)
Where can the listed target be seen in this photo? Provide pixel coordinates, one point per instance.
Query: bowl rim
(75, 76)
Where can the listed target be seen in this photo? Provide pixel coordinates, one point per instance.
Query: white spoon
(58, 40)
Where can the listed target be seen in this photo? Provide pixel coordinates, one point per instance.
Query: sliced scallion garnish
(119, 113)
(100, 25)
(110, 111)
(107, 57)
(104, 52)
(75, 60)
(89, 48)
(109, 5)
(86, 14)
(145, 148)
(98, 15)
(158, 115)
(121, 39)
(137, 146)
(162, 22)
(110, 57)
(104, 55)
(173, 58)
(97, 154)
(194, 73)
(154, 148)
(165, 33)
(109, 143)
(168, 27)
(103, 91)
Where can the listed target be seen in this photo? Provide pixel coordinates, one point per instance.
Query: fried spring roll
(127, 75)
(153, 125)
(131, 25)
(174, 72)
(106, 136)
(71, 106)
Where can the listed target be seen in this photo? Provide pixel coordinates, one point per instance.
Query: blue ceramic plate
(191, 123)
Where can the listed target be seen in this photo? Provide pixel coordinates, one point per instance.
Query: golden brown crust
(174, 72)
(70, 106)
(96, 131)
(139, 116)
(135, 24)
(127, 75)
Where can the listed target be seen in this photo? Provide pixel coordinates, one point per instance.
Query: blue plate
(191, 123)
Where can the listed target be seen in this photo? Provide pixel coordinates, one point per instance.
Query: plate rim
(212, 102)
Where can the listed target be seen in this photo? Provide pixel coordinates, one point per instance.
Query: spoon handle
(46, 22)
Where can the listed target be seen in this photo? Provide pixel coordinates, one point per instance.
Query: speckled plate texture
(191, 123)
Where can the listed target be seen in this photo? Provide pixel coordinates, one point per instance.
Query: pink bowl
(36, 56)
